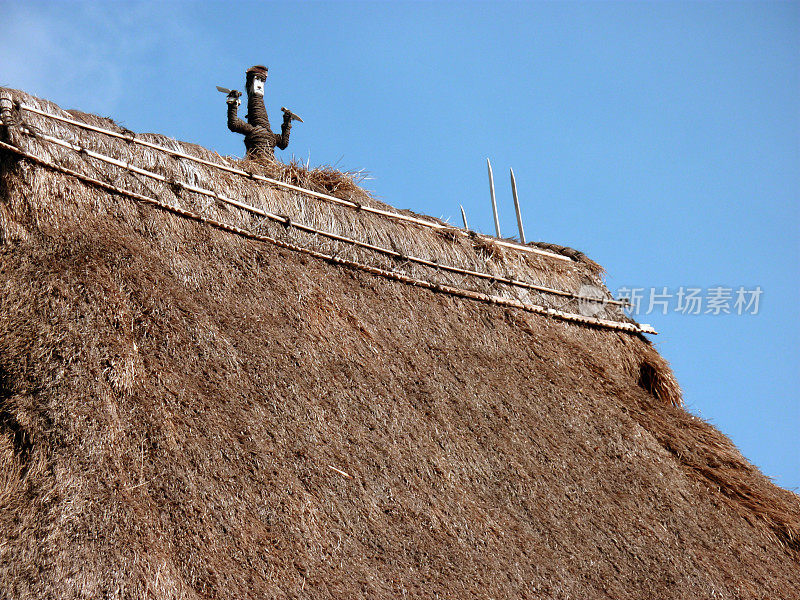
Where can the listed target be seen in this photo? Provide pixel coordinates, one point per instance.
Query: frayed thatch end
(324, 179)
(656, 377)
(646, 369)
(488, 248)
(572, 253)
(714, 460)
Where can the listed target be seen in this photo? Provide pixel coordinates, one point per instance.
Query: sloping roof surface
(189, 413)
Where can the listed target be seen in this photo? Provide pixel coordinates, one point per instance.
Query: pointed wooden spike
(516, 208)
(494, 201)
(464, 217)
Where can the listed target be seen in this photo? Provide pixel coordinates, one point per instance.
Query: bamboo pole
(516, 207)
(494, 200)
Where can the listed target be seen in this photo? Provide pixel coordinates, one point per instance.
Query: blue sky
(663, 139)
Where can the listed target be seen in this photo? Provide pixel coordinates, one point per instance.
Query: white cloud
(86, 55)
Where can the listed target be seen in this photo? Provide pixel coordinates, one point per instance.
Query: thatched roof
(191, 412)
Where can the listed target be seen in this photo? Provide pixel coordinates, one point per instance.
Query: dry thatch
(177, 404)
(441, 246)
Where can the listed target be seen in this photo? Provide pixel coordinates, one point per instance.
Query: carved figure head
(256, 76)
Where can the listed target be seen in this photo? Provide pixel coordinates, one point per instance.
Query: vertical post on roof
(8, 130)
(464, 217)
(516, 207)
(6, 106)
(494, 201)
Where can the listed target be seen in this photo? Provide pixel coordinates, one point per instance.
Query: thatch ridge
(172, 400)
(152, 200)
(404, 238)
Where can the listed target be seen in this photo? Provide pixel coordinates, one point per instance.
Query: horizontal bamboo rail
(469, 294)
(131, 138)
(287, 221)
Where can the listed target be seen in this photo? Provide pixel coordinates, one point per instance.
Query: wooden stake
(494, 201)
(464, 217)
(516, 208)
